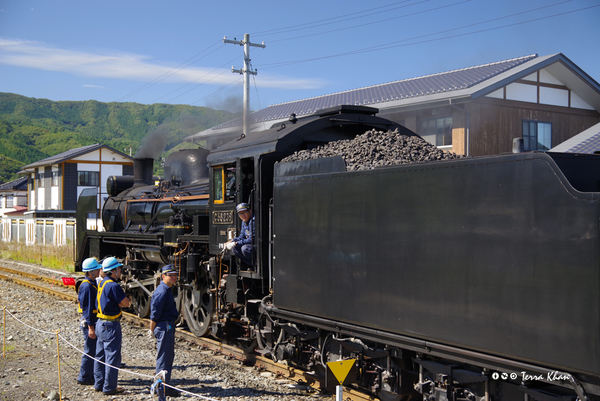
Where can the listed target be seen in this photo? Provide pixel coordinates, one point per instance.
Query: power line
(386, 8)
(377, 22)
(481, 22)
(395, 44)
(310, 25)
(197, 79)
(330, 20)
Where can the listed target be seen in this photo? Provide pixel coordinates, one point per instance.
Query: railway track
(56, 287)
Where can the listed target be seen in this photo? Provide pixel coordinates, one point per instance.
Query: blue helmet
(90, 264)
(110, 264)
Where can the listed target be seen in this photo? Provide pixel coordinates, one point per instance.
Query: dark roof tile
(408, 88)
(70, 154)
(20, 184)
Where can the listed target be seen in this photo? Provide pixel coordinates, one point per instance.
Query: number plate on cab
(223, 217)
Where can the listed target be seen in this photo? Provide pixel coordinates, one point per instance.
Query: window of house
(40, 180)
(55, 178)
(10, 201)
(537, 135)
(88, 178)
(437, 131)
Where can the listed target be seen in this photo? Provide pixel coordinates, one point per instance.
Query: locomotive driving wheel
(178, 295)
(197, 305)
(140, 302)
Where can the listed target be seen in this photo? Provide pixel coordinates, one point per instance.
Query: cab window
(218, 185)
(230, 186)
(224, 183)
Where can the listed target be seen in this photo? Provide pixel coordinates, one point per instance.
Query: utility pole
(246, 71)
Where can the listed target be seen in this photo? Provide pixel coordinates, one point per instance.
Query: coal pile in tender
(376, 149)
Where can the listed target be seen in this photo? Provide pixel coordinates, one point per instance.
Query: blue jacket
(88, 291)
(247, 233)
(110, 295)
(163, 307)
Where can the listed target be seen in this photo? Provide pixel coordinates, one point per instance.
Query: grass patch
(9, 347)
(59, 257)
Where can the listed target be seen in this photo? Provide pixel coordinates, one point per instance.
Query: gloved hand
(230, 245)
(150, 334)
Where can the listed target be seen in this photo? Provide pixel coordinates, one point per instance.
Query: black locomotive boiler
(469, 279)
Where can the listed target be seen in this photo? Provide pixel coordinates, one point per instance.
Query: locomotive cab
(231, 183)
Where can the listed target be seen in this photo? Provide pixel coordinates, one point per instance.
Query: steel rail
(36, 286)
(33, 276)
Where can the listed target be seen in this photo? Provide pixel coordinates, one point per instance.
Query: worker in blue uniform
(243, 245)
(86, 297)
(163, 313)
(111, 298)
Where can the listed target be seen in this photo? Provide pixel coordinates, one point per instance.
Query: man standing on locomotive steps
(163, 313)
(242, 246)
(86, 298)
(111, 299)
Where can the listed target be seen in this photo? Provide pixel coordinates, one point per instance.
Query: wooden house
(474, 111)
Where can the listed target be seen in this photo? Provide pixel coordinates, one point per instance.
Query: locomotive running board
(491, 362)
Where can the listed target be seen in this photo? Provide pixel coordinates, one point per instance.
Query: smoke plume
(228, 102)
(153, 144)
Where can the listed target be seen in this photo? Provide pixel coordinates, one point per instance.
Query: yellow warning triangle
(340, 369)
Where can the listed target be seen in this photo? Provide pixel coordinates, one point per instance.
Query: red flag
(68, 281)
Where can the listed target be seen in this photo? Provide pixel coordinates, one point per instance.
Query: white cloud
(120, 65)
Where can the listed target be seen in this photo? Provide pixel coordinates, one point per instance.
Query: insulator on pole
(247, 72)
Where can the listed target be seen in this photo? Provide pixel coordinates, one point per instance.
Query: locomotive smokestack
(142, 171)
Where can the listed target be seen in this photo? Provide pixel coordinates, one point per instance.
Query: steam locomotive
(468, 279)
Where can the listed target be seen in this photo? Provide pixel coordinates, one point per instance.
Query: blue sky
(173, 51)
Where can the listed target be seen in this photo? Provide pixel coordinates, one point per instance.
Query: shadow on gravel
(131, 367)
(234, 392)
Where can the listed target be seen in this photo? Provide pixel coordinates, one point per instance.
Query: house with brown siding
(474, 111)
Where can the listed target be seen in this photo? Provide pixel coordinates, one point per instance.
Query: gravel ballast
(375, 149)
(30, 369)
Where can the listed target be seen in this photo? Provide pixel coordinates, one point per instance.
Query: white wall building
(53, 187)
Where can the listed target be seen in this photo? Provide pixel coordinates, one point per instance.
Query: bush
(53, 256)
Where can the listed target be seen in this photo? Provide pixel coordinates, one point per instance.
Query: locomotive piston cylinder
(193, 260)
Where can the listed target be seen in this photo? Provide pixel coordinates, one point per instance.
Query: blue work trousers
(108, 349)
(164, 332)
(244, 252)
(86, 371)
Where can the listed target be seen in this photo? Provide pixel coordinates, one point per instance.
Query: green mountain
(33, 129)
